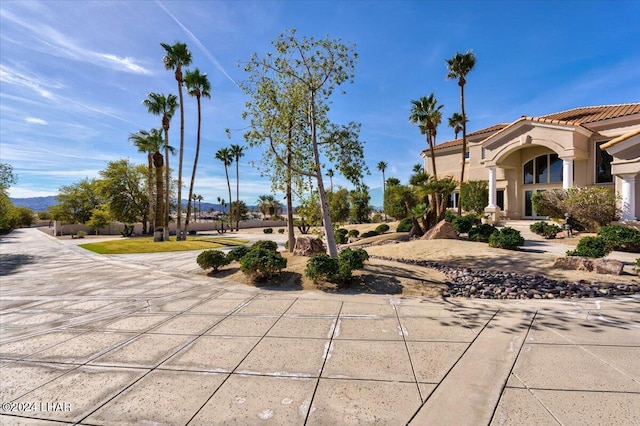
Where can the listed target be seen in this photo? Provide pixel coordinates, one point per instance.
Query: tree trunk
(226, 172)
(464, 144)
(237, 194)
(150, 195)
(193, 173)
(180, 157)
(167, 187)
(290, 228)
(158, 162)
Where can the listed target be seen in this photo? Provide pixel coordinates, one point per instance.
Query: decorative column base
(493, 214)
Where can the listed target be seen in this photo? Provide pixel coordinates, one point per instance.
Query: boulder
(608, 266)
(575, 263)
(308, 246)
(442, 231)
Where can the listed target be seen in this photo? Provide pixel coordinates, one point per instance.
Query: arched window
(543, 169)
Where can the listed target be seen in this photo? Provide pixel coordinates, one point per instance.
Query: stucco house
(581, 147)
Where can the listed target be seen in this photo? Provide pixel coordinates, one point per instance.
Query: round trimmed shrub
(322, 267)
(341, 236)
(212, 259)
(405, 225)
(506, 238)
(268, 230)
(382, 228)
(262, 263)
(449, 216)
(369, 234)
(237, 253)
(482, 232)
(281, 231)
(265, 245)
(590, 247)
(463, 224)
(354, 233)
(621, 238)
(544, 229)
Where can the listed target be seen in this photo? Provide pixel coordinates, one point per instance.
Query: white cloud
(34, 120)
(40, 85)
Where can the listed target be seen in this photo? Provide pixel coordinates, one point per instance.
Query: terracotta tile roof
(586, 115)
(620, 139)
(458, 142)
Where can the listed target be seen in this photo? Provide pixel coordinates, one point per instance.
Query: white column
(567, 173)
(492, 187)
(628, 197)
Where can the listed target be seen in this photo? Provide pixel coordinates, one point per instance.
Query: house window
(484, 152)
(453, 200)
(603, 165)
(467, 155)
(543, 169)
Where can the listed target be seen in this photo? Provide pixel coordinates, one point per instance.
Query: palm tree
(177, 56)
(200, 198)
(382, 166)
(148, 143)
(265, 204)
(330, 174)
(455, 122)
(426, 113)
(459, 66)
(237, 151)
(224, 155)
(159, 104)
(198, 86)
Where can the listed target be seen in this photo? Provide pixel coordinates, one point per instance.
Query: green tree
(360, 208)
(99, 218)
(330, 173)
(382, 166)
(123, 188)
(22, 217)
(149, 142)
(237, 152)
(459, 66)
(339, 205)
(199, 87)
(474, 195)
(317, 67)
(455, 122)
(176, 57)
(392, 206)
(239, 210)
(77, 201)
(224, 155)
(165, 106)
(7, 178)
(268, 205)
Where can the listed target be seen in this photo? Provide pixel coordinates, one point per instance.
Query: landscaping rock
(308, 246)
(576, 263)
(608, 266)
(442, 231)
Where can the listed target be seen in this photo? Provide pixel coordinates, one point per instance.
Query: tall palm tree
(200, 198)
(147, 142)
(199, 87)
(265, 204)
(237, 151)
(427, 114)
(177, 56)
(382, 166)
(159, 104)
(330, 174)
(459, 66)
(455, 122)
(224, 155)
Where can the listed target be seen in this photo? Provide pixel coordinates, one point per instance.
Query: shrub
(506, 238)
(590, 247)
(547, 230)
(341, 236)
(237, 253)
(638, 266)
(354, 233)
(463, 224)
(474, 195)
(81, 234)
(369, 234)
(268, 230)
(212, 259)
(405, 225)
(265, 245)
(281, 231)
(262, 263)
(621, 238)
(322, 267)
(449, 216)
(350, 260)
(376, 218)
(193, 232)
(382, 228)
(482, 232)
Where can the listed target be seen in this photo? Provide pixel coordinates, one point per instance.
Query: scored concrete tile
(145, 351)
(82, 391)
(212, 353)
(368, 329)
(432, 360)
(520, 407)
(83, 348)
(24, 421)
(592, 408)
(286, 357)
(564, 367)
(250, 400)
(355, 402)
(217, 306)
(313, 307)
(321, 328)
(570, 330)
(625, 359)
(188, 324)
(441, 329)
(266, 306)
(244, 326)
(28, 345)
(133, 323)
(34, 318)
(161, 397)
(21, 377)
(178, 305)
(426, 389)
(365, 359)
(371, 310)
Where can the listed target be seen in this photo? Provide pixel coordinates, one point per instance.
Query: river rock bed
(487, 284)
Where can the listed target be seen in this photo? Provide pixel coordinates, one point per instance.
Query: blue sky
(73, 74)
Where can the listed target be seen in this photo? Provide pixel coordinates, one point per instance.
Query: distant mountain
(37, 204)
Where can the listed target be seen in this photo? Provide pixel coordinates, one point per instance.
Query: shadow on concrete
(9, 263)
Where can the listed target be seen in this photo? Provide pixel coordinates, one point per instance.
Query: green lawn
(146, 245)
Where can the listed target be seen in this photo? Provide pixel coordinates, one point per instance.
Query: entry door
(529, 212)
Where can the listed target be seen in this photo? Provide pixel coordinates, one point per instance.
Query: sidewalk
(89, 339)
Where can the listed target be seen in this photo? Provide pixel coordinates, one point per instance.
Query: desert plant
(353, 233)
(506, 238)
(341, 236)
(322, 267)
(482, 232)
(262, 263)
(237, 253)
(590, 247)
(463, 224)
(81, 234)
(474, 195)
(547, 230)
(340, 270)
(449, 216)
(376, 218)
(405, 225)
(281, 231)
(382, 228)
(268, 230)
(212, 259)
(369, 234)
(265, 245)
(621, 238)
(350, 260)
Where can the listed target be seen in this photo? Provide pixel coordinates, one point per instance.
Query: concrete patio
(91, 340)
